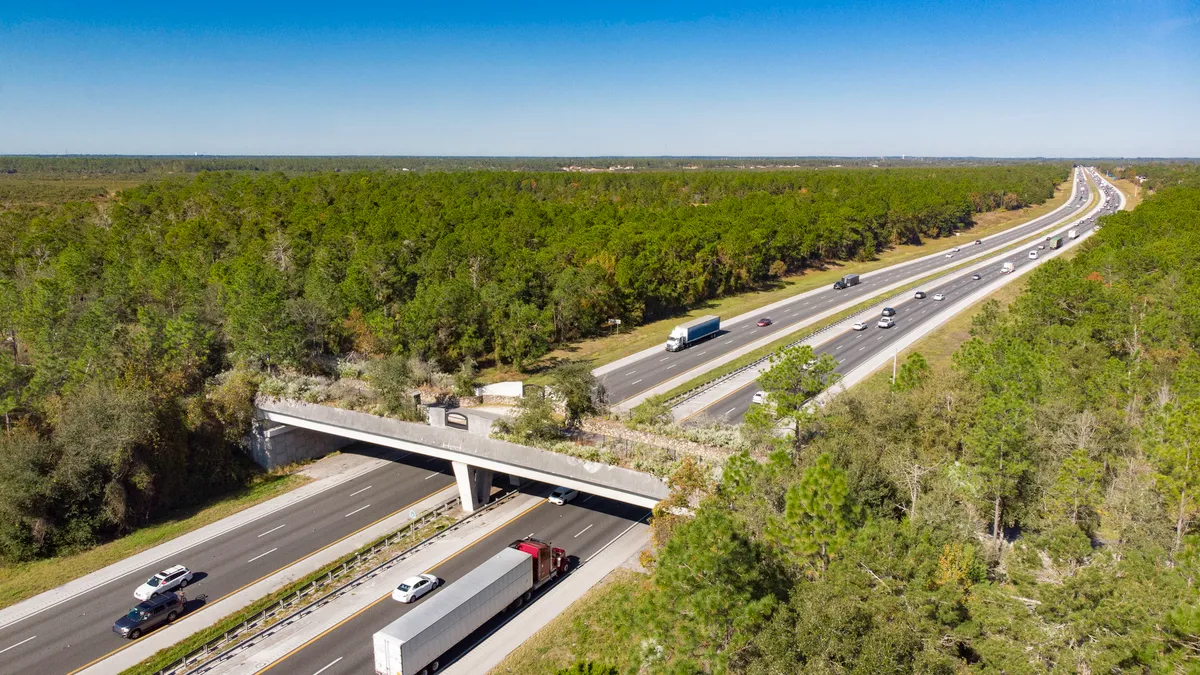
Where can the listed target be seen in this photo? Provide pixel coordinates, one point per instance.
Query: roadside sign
(412, 514)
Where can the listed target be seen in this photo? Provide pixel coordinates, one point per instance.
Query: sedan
(886, 322)
(919, 295)
(562, 495)
(978, 242)
(888, 311)
(861, 325)
(949, 255)
(939, 297)
(1041, 247)
(1033, 255)
(975, 277)
(764, 322)
(955, 249)
(412, 588)
(759, 398)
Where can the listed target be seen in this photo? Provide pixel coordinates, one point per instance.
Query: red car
(763, 322)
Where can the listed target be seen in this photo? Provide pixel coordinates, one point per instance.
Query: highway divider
(238, 635)
(748, 372)
(685, 377)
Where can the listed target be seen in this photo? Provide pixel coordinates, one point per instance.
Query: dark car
(888, 311)
(763, 322)
(161, 609)
(978, 241)
(919, 295)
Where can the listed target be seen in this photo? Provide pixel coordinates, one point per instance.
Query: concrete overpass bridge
(292, 430)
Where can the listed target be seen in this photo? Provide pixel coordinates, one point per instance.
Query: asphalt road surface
(653, 370)
(75, 633)
(853, 348)
(581, 527)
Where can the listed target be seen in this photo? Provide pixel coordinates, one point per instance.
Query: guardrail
(225, 645)
(688, 395)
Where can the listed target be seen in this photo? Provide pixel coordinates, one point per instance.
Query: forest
(1031, 508)
(136, 328)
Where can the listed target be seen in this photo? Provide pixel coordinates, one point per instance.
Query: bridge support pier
(474, 486)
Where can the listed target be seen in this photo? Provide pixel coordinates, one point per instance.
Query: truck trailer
(1074, 234)
(686, 334)
(1056, 242)
(846, 282)
(414, 643)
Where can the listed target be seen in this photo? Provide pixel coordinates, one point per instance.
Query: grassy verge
(18, 582)
(175, 652)
(751, 357)
(584, 631)
(610, 348)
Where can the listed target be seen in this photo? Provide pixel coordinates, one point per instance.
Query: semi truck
(685, 334)
(414, 643)
(846, 282)
(1056, 242)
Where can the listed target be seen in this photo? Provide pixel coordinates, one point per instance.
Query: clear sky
(1029, 78)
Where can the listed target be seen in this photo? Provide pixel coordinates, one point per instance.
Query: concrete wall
(274, 445)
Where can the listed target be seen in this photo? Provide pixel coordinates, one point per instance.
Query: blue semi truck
(685, 334)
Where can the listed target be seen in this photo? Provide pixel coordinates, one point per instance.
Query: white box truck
(412, 644)
(1074, 234)
(686, 334)
(1006, 268)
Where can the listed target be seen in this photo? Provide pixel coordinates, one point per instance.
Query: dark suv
(163, 608)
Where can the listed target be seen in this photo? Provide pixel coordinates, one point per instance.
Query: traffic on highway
(66, 637)
(660, 366)
(868, 337)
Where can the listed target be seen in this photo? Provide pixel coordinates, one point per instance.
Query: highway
(73, 634)
(643, 374)
(582, 528)
(852, 348)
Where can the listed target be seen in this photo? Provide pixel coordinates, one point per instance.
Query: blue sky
(1112, 78)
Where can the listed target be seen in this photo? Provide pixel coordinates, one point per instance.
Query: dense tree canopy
(1033, 509)
(120, 317)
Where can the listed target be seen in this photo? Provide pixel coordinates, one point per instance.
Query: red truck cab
(548, 561)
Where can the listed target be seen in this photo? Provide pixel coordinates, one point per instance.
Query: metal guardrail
(223, 646)
(688, 395)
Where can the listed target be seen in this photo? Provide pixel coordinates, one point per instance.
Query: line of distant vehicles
(697, 330)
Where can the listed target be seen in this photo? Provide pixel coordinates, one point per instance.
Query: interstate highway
(639, 376)
(853, 348)
(68, 636)
(581, 527)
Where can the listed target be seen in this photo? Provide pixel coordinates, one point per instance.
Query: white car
(562, 495)
(886, 322)
(760, 397)
(861, 325)
(166, 580)
(939, 297)
(949, 255)
(1033, 255)
(955, 249)
(412, 588)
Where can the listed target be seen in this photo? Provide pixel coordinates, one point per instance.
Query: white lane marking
(663, 359)
(672, 366)
(837, 348)
(331, 664)
(631, 372)
(610, 543)
(861, 348)
(272, 530)
(730, 410)
(879, 338)
(261, 555)
(356, 511)
(702, 353)
(634, 382)
(360, 491)
(430, 476)
(584, 500)
(18, 644)
(531, 534)
(583, 530)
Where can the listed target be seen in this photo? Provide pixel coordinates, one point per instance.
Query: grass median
(177, 651)
(603, 350)
(766, 350)
(25, 580)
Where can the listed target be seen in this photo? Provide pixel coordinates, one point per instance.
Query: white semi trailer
(414, 643)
